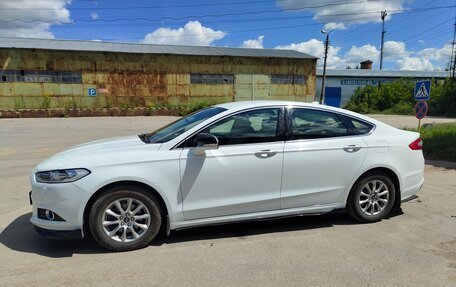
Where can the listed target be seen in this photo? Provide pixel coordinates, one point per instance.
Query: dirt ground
(415, 247)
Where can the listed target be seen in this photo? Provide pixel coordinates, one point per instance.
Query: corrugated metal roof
(383, 73)
(78, 45)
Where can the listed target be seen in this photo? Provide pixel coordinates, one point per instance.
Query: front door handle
(351, 148)
(266, 153)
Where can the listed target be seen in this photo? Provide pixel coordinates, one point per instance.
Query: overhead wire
(321, 18)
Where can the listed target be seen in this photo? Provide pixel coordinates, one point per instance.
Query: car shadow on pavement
(266, 226)
(21, 236)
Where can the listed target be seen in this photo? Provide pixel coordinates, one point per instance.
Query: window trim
(56, 76)
(221, 77)
(289, 124)
(280, 136)
(292, 77)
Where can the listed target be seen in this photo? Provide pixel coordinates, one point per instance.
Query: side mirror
(204, 142)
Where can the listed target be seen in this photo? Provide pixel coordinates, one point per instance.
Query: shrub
(397, 98)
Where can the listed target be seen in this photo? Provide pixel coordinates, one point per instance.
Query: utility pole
(322, 95)
(452, 65)
(383, 15)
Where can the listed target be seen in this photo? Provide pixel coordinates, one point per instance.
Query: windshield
(180, 126)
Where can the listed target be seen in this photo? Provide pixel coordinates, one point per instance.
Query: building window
(64, 77)
(288, 79)
(211, 79)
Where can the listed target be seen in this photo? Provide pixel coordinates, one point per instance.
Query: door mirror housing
(204, 142)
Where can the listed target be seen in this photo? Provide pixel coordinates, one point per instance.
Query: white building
(340, 84)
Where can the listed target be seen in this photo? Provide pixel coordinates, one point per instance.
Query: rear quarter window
(357, 127)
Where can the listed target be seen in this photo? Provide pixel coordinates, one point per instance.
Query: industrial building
(45, 73)
(340, 84)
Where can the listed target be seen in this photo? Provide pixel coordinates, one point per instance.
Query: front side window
(255, 126)
(180, 126)
(314, 124)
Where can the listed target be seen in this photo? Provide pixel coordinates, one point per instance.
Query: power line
(206, 22)
(226, 14)
(180, 6)
(429, 29)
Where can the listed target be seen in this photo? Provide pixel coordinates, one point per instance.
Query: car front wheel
(371, 198)
(125, 218)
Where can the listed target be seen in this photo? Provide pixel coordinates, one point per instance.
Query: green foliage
(46, 104)
(182, 109)
(71, 103)
(439, 141)
(19, 103)
(397, 98)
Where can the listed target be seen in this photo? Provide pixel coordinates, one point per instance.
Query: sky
(418, 32)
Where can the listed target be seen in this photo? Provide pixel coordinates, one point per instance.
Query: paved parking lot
(416, 247)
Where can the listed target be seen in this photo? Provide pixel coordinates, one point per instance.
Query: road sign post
(421, 109)
(421, 95)
(422, 91)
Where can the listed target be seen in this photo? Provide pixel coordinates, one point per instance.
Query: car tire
(371, 198)
(125, 218)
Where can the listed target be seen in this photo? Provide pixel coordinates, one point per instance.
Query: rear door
(321, 158)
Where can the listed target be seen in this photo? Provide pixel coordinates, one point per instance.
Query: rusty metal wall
(128, 80)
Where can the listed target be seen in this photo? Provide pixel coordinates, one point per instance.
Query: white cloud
(343, 11)
(441, 55)
(395, 53)
(254, 43)
(358, 54)
(31, 10)
(335, 26)
(193, 33)
(94, 15)
(413, 63)
(315, 48)
(393, 50)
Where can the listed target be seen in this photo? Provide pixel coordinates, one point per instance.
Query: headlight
(62, 175)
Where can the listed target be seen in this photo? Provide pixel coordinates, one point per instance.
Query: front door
(320, 160)
(243, 175)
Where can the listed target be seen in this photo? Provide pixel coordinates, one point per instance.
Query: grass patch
(439, 141)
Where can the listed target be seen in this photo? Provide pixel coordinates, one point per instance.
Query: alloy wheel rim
(126, 220)
(374, 197)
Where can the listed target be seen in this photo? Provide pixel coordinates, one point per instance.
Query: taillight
(417, 144)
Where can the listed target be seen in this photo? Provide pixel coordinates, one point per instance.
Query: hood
(96, 153)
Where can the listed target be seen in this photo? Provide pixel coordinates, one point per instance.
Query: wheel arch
(391, 174)
(145, 186)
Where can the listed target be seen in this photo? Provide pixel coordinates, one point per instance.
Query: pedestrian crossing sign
(422, 90)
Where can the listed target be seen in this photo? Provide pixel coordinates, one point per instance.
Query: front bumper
(60, 234)
(66, 200)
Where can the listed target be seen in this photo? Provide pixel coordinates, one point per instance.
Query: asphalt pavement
(414, 247)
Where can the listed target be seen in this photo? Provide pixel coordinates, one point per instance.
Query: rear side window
(314, 124)
(357, 127)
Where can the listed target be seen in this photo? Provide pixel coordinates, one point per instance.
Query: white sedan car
(227, 163)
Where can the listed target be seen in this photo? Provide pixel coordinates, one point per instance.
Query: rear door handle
(266, 153)
(351, 148)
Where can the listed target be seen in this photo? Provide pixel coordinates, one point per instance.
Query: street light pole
(322, 95)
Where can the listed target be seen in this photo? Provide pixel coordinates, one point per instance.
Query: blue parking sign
(422, 90)
(92, 92)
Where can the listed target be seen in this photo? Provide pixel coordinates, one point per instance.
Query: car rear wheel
(371, 198)
(125, 218)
